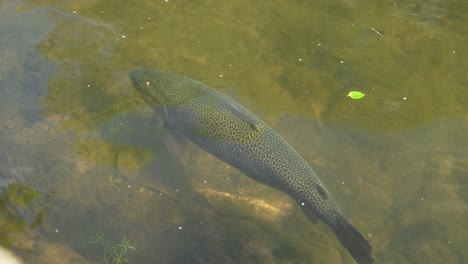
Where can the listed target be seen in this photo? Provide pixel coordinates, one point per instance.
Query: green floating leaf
(356, 95)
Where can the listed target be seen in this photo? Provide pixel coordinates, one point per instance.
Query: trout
(230, 132)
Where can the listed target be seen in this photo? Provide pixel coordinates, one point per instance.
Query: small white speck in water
(422, 198)
(342, 183)
(204, 182)
(341, 62)
(375, 30)
(123, 36)
(404, 98)
(300, 59)
(56, 230)
(454, 52)
(302, 204)
(180, 228)
(129, 186)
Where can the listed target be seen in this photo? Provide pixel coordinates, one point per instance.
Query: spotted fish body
(233, 134)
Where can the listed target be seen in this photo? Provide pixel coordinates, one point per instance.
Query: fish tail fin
(353, 241)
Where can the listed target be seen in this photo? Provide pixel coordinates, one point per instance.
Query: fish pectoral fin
(174, 143)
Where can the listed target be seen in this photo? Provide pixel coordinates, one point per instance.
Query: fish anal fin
(311, 216)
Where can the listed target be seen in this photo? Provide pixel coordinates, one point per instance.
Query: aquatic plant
(114, 252)
(114, 182)
(118, 253)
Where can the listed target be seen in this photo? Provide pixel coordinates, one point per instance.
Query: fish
(230, 132)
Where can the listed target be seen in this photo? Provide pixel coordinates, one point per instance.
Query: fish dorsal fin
(234, 109)
(244, 117)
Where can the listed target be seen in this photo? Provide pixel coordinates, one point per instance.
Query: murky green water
(89, 175)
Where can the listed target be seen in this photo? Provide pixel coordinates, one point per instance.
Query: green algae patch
(108, 152)
(20, 195)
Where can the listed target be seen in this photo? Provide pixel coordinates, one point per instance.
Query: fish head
(148, 82)
(167, 90)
